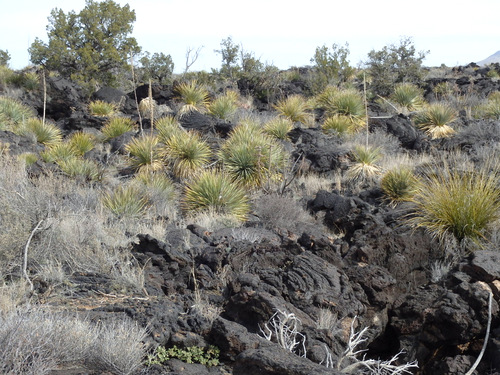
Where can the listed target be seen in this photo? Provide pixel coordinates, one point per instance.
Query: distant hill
(495, 58)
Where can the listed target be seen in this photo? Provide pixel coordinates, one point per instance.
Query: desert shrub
(224, 106)
(278, 127)
(158, 67)
(125, 201)
(13, 113)
(399, 184)
(116, 126)
(279, 211)
(435, 120)
(80, 168)
(44, 132)
(6, 74)
(212, 190)
(444, 90)
(144, 153)
(208, 356)
(193, 95)
(166, 127)
(364, 166)
(296, 108)
(489, 109)
(102, 109)
(58, 152)
(187, 153)
(462, 203)
(407, 97)
(338, 124)
(82, 142)
(29, 158)
(147, 106)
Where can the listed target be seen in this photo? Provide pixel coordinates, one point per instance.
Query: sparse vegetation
(193, 95)
(295, 108)
(117, 126)
(408, 97)
(399, 184)
(435, 120)
(145, 153)
(102, 109)
(364, 166)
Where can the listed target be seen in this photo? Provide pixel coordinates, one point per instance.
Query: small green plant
(117, 126)
(444, 90)
(44, 132)
(365, 166)
(464, 204)
(278, 127)
(125, 201)
(80, 168)
(399, 184)
(348, 102)
(29, 158)
(58, 152)
(338, 124)
(144, 153)
(295, 107)
(82, 142)
(492, 73)
(214, 191)
(407, 97)
(187, 153)
(193, 95)
(156, 183)
(167, 126)
(102, 109)
(208, 356)
(435, 120)
(13, 113)
(490, 109)
(224, 106)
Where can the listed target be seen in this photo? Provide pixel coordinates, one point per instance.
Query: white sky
(281, 32)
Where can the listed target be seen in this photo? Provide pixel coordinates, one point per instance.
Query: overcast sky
(284, 33)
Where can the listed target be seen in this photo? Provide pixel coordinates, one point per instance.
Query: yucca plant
(44, 132)
(224, 106)
(325, 98)
(29, 158)
(82, 142)
(102, 109)
(338, 124)
(399, 184)
(348, 102)
(435, 120)
(214, 191)
(58, 152)
(296, 108)
(80, 168)
(166, 127)
(144, 153)
(13, 112)
(464, 204)
(490, 109)
(126, 201)
(146, 106)
(187, 153)
(156, 184)
(278, 127)
(116, 126)
(193, 95)
(364, 167)
(407, 97)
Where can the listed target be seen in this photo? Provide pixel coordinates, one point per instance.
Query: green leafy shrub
(187, 153)
(116, 126)
(44, 132)
(144, 153)
(295, 108)
(214, 191)
(13, 112)
(193, 95)
(208, 356)
(102, 109)
(435, 120)
(278, 127)
(399, 184)
(408, 97)
(125, 201)
(464, 204)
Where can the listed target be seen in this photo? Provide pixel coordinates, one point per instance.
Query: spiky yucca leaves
(338, 124)
(82, 142)
(224, 106)
(365, 166)
(80, 168)
(214, 191)
(464, 204)
(295, 107)
(490, 109)
(144, 153)
(166, 127)
(193, 95)
(399, 184)
(187, 153)
(325, 98)
(117, 126)
(102, 109)
(13, 113)
(156, 184)
(58, 152)
(44, 132)
(278, 127)
(251, 157)
(435, 120)
(347, 102)
(408, 97)
(126, 201)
